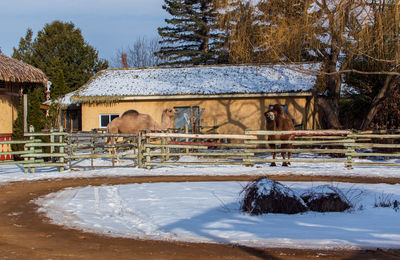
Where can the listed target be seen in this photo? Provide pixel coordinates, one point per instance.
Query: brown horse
(132, 122)
(278, 120)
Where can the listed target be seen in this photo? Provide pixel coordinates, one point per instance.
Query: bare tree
(139, 54)
(382, 45)
(334, 32)
(239, 32)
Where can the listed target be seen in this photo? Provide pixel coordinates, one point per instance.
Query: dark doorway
(71, 120)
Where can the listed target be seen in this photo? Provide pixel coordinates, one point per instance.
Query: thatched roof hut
(15, 77)
(12, 70)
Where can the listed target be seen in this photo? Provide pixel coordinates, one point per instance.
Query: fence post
(350, 149)
(92, 149)
(139, 150)
(52, 148)
(70, 152)
(148, 157)
(114, 149)
(163, 149)
(167, 148)
(246, 141)
(26, 158)
(187, 139)
(62, 148)
(32, 149)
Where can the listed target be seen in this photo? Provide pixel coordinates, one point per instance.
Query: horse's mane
(130, 112)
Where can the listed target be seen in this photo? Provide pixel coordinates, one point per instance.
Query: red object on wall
(5, 147)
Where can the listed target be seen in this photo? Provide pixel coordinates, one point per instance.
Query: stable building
(221, 99)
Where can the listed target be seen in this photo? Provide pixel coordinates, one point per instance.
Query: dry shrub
(268, 196)
(386, 201)
(326, 198)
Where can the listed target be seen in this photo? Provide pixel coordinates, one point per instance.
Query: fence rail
(149, 149)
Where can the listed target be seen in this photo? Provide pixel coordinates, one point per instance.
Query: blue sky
(107, 25)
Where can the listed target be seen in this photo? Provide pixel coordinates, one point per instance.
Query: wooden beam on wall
(25, 113)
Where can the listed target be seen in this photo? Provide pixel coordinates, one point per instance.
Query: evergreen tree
(191, 35)
(61, 52)
(25, 50)
(60, 86)
(36, 116)
(60, 48)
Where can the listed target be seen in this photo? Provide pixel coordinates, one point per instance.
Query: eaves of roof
(114, 99)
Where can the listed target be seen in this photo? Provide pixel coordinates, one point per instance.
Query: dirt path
(26, 235)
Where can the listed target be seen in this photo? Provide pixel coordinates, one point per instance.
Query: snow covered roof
(117, 84)
(64, 101)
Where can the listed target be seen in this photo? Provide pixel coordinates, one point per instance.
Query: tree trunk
(383, 93)
(330, 114)
(329, 105)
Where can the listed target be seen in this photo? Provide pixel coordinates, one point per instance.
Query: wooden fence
(325, 146)
(90, 146)
(39, 153)
(159, 148)
(148, 149)
(326, 142)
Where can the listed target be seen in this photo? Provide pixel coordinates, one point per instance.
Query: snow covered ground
(209, 211)
(9, 173)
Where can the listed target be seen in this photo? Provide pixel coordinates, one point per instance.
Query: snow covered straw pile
(268, 196)
(326, 198)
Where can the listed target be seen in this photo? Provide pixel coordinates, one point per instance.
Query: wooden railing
(158, 148)
(37, 153)
(91, 146)
(378, 144)
(149, 149)
(338, 146)
(325, 142)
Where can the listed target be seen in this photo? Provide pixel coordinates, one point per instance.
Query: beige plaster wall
(233, 115)
(8, 113)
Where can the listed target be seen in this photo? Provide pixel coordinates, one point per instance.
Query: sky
(107, 25)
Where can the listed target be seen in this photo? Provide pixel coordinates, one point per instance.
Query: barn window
(190, 116)
(2, 84)
(186, 116)
(106, 118)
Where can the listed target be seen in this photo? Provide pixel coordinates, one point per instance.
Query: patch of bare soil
(24, 234)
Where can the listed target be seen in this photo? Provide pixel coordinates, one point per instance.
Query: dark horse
(278, 120)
